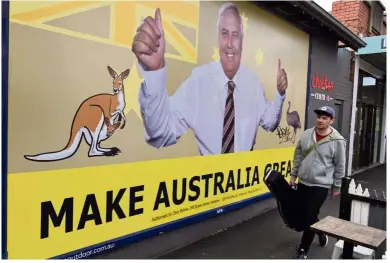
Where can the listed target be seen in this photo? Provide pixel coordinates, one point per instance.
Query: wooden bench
(352, 234)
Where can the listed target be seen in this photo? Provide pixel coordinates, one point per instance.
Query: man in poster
(223, 102)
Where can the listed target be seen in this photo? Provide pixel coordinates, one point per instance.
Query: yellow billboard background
(27, 192)
(59, 53)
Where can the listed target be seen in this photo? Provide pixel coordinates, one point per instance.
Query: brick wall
(383, 29)
(355, 15)
(348, 13)
(364, 18)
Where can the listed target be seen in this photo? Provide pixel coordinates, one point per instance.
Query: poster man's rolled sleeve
(165, 118)
(270, 112)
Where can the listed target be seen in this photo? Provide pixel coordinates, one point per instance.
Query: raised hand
(149, 42)
(281, 81)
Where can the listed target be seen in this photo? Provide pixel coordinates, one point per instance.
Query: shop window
(352, 68)
(369, 90)
(369, 22)
(339, 115)
(376, 18)
(369, 81)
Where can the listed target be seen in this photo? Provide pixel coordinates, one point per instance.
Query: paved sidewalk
(266, 237)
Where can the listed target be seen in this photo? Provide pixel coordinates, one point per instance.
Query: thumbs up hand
(281, 81)
(149, 42)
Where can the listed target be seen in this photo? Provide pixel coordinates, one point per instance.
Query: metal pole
(347, 251)
(345, 200)
(382, 158)
(345, 213)
(353, 115)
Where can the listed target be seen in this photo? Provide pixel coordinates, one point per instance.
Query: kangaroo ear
(112, 72)
(125, 74)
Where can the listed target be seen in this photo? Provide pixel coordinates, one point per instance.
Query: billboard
(102, 148)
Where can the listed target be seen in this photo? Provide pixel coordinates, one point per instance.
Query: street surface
(266, 237)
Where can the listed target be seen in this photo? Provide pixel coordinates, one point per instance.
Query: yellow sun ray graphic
(132, 85)
(244, 22)
(259, 57)
(216, 54)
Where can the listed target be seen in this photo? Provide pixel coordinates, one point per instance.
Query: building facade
(363, 18)
(367, 140)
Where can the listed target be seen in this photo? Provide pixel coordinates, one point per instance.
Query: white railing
(360, 212)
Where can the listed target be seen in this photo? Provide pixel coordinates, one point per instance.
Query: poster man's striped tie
(228, 122)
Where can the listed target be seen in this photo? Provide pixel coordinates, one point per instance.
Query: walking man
(319, 163)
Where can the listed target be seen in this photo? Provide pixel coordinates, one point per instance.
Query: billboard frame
(5, 5)
(126, 239)
(308, 88)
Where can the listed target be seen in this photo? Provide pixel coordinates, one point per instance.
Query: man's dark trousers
(312, 198)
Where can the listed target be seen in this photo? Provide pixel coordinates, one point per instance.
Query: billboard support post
(4, 120)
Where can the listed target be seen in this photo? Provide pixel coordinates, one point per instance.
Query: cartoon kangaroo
(97, 118)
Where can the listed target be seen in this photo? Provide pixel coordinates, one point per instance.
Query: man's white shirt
(199, 104)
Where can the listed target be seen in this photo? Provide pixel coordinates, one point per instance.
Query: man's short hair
(231, 6)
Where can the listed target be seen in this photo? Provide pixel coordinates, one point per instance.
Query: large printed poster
(102, 145)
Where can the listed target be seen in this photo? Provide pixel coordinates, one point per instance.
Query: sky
(327, 4)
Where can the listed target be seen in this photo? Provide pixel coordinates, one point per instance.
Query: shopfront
(329, 64)
(369, 121)
(330, 83)
(369, 116)
(323, 75)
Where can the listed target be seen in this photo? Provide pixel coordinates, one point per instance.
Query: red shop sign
(321, 83)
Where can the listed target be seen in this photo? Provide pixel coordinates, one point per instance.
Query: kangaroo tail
(68, 151)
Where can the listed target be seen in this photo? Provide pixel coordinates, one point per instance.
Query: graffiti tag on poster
(293, 121)
(284, 134)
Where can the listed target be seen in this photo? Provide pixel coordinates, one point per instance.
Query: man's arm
(270, 112)
(165, 118)
(298, 157)
(339, 162)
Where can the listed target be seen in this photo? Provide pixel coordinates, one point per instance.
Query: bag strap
(313, 146)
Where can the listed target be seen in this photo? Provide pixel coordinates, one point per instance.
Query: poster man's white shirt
(199, 104)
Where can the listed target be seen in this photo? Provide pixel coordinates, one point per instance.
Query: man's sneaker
(323, 239)
(300, 254)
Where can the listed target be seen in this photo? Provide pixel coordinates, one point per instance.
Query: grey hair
(233, 7)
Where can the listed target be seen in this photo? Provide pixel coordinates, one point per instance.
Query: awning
(375, 51)
(313, 19)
